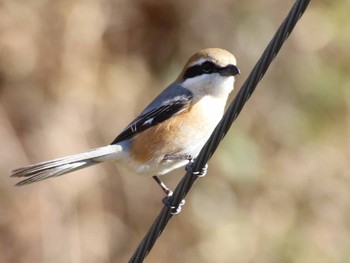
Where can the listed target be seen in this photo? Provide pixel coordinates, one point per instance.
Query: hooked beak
(230, 70)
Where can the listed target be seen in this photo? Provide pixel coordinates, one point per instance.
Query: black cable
(220, 131)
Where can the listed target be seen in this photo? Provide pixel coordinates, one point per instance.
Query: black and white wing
(170, 102)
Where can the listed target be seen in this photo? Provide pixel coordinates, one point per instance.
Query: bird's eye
(207, 66)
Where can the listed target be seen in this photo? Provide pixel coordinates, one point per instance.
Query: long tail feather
(60, 166)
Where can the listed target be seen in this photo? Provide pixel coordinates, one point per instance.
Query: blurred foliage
(73, 73)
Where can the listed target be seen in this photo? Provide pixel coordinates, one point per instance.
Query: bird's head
(209, 72)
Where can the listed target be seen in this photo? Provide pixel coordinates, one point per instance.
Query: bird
(169, 133)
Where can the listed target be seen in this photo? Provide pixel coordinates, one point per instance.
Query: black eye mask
(209, 68)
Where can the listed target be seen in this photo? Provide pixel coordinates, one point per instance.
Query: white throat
(210, 84)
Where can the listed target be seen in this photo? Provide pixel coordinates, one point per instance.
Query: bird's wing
(170, 102)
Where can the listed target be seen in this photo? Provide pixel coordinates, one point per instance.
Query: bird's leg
(177, 157)
(166, 200)
(168, 157)
(162, 185)
(189, 166)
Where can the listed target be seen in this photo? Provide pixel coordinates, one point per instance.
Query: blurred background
(73, 73)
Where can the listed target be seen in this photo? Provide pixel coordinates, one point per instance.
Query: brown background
(73, 73)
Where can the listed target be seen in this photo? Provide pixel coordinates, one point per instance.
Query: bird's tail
(60, 166)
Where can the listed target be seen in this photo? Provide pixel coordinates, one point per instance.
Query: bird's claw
(173, 209)
(202, 173)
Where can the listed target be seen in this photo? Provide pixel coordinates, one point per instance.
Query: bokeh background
(73, 73)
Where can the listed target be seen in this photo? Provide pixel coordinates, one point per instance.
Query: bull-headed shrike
(169, 133)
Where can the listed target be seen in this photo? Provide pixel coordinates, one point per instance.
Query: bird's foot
(201, 173)
(167, 200)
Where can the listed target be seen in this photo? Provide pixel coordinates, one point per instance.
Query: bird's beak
(230, 70)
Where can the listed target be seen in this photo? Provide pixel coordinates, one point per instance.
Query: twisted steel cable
(220, 131)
